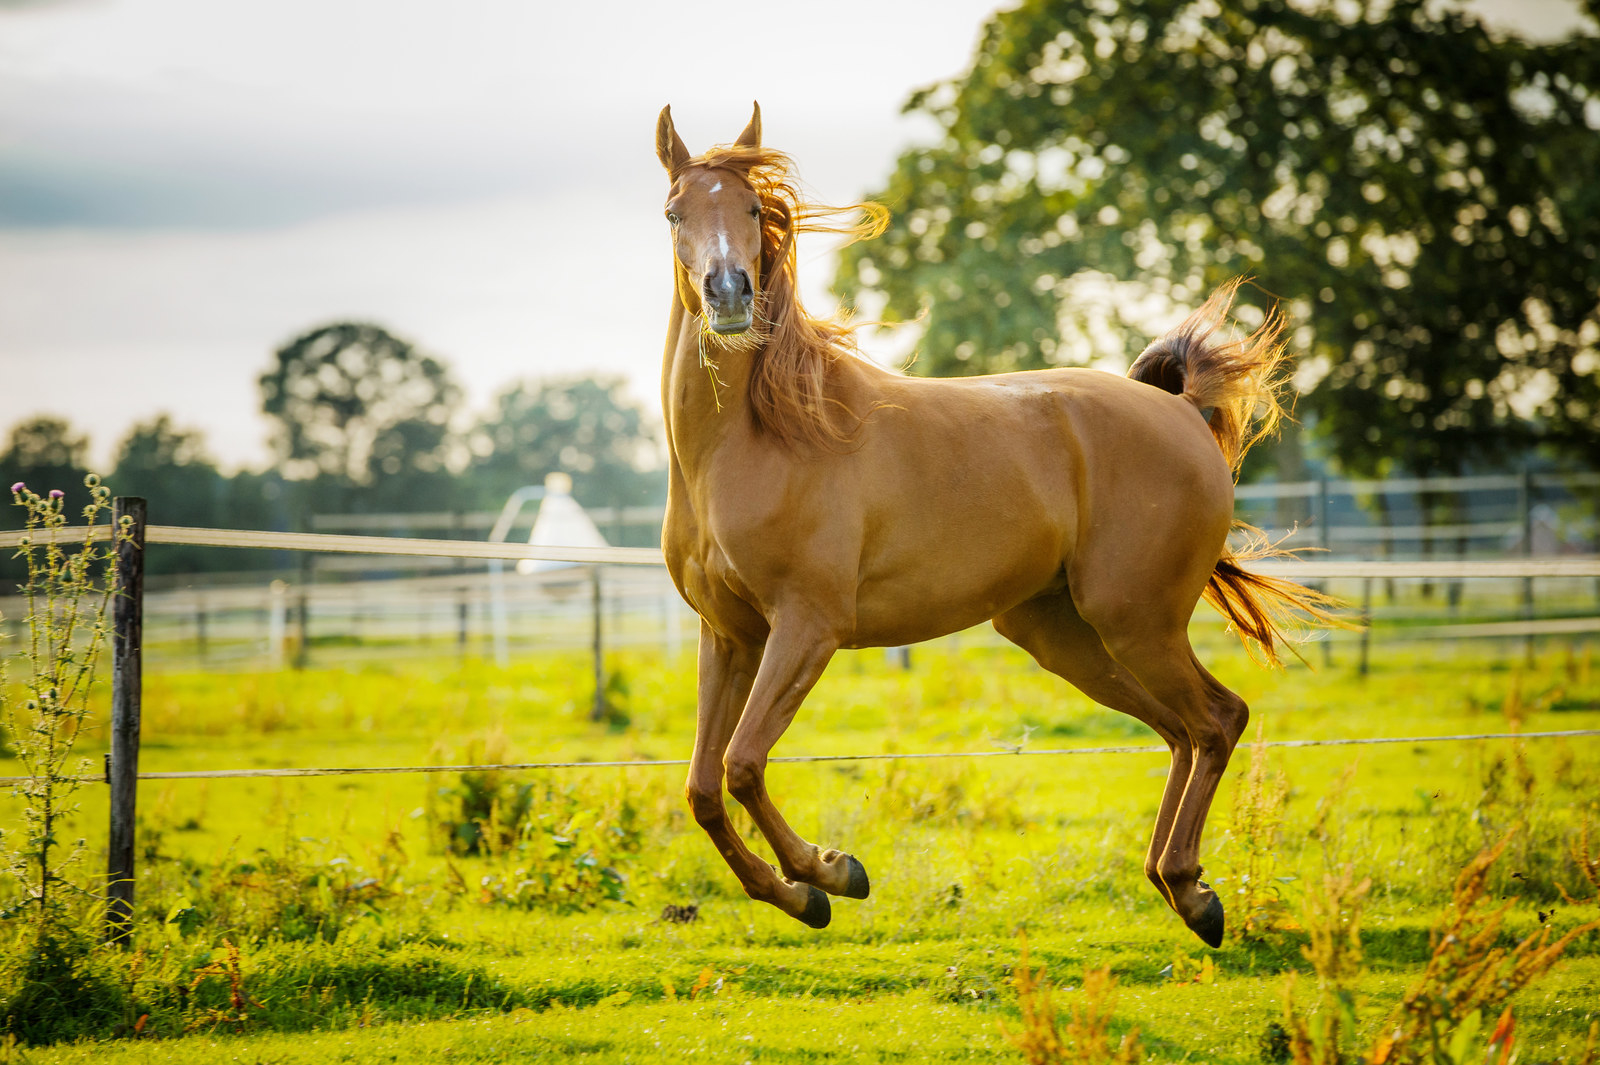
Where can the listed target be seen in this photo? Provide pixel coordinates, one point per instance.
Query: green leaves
(1409, 185)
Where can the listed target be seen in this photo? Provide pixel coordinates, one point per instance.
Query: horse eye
(755, 212)
(672, 218)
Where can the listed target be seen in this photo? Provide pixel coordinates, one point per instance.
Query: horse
(817, 501)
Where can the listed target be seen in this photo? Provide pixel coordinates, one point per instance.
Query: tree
(1419, 192)
(169, 467)
(354, 403)
(585, 426)
(44, 453)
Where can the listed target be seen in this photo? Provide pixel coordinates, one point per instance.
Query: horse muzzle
(729, 298)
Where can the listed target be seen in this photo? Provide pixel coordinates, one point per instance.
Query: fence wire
(1010, 752)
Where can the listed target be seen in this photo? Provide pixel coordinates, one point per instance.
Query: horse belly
(955, 574)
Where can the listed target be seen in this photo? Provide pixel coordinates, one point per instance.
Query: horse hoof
(1209, 925)
(818, 911)
(859, 887)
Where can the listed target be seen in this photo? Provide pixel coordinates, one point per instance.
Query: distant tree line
(362, 422)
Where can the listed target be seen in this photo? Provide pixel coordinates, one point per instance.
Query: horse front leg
(794, 659)
(726, 673)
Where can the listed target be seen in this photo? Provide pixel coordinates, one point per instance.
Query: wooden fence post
(127, 675)
(302, 647)
(1525, 499)
(598, 711)
(1366, 623)
(1325, 542)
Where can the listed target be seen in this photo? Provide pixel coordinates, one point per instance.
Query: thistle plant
(69, 585)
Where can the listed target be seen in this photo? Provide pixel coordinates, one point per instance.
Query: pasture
(582, 913)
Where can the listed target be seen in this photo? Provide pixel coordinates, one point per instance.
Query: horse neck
(701, 408)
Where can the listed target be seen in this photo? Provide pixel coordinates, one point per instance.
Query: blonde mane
(788, 380)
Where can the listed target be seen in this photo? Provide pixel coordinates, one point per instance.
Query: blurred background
(373, 267)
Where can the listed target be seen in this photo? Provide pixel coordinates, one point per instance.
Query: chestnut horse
(818, 502)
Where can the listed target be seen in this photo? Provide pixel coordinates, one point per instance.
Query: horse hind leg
(1214, 719)
(1061, 641)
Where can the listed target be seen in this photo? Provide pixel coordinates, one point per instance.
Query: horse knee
(746, 778)
(706, 805)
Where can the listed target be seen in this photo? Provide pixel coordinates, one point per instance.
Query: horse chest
(710, 583)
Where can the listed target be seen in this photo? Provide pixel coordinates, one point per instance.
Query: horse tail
(1264, 611)
(1235, 384)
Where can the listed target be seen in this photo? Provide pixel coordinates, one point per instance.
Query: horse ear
(669, 146)
(751, 137)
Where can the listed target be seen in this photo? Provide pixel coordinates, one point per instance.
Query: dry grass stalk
(1587, 859)
(1333, 922)
(1469, 977)
(1256, 827)
(1086, 1037)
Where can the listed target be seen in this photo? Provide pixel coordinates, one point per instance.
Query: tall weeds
(1469, 979)
(1084, 1037)
(49, 984)
(1332, 919)
(1255, 831)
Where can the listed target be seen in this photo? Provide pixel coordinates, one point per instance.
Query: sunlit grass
(391, 931)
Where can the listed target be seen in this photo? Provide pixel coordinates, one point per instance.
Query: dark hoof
(1209, 925)
(819, 911)
(859, 887)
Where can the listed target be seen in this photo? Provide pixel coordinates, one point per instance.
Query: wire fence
(1298, 569)
(122, 774)
(654, 763)
(356, 598)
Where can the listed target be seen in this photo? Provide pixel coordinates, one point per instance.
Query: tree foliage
(1418, 191)
(354, 402)
(44, 453)
(584, 426)
(363, 423)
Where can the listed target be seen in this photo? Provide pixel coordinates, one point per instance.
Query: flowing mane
(788, 383)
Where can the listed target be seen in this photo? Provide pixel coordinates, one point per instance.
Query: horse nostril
(747, 291)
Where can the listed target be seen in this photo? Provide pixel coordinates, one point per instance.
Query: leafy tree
(170, 468)
(1419, 192)
(586, 427)
(351, 402)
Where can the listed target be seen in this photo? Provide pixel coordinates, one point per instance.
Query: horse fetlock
(809, 868)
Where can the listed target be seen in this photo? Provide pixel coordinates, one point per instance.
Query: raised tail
(1235, 384)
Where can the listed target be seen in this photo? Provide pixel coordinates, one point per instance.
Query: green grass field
(363, 934)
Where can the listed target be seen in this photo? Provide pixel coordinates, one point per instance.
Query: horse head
(716, 222)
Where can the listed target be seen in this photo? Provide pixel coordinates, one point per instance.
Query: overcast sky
(187, 184)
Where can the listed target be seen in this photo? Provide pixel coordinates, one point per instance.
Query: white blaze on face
(722, 244)
(717, 187)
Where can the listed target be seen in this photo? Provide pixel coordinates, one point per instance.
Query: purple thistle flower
(18, 487)
(56, 493)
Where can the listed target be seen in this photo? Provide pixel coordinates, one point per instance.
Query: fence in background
(128, 638)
